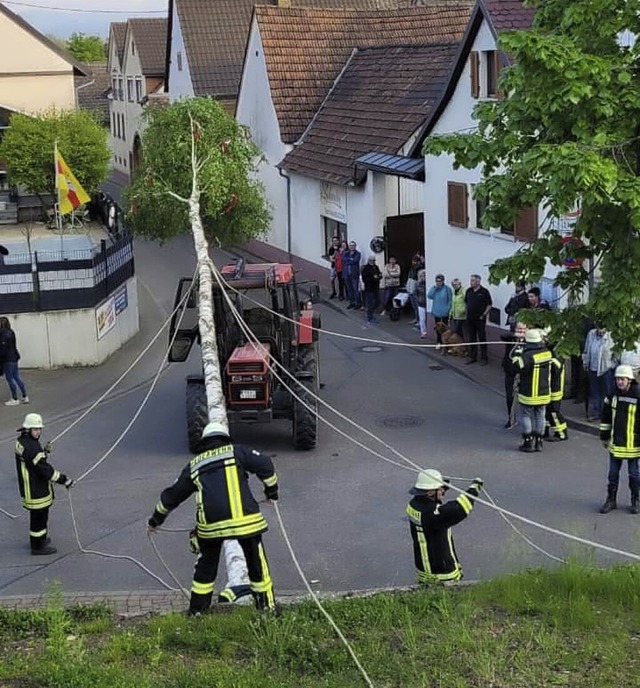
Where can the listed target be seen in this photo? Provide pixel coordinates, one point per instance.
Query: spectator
(599, 363)
(517, 302)
(9, 357)
(478, 302)
(537, 303)
(332, 253)
(579, 382)
(339, 268)
(421, 297)
(351, 272)
(371, 277)
(417, 264)
(442, 297)
(458, 313)
(390, 283)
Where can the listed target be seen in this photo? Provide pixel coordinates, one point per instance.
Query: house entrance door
(404, 237)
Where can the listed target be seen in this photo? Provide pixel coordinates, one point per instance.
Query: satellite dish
(377, 244)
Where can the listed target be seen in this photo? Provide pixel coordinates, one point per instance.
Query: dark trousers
(387, 298)
(556, 424)
(341, 288)
(614, 472)
(38, 520)
(509, 390)
(458, 327)
(477, 332)
(353, 290)
(206, 570)
(438, 333)
(578, 389)
(371, 301)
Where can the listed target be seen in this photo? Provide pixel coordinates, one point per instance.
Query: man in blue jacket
(442, 296)
(351, 274)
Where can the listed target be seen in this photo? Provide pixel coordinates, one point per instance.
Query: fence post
(103, 250)
(35, 279)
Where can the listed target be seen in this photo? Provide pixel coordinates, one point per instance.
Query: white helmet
(32, 420)
(430, 479)
(625, 371)
(215, 430)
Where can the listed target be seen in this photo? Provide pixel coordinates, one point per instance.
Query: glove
(476, 486)
(152, 523)
(194, 545)
(48, 448)
(67, 482)
(605, 444)
(271, 492)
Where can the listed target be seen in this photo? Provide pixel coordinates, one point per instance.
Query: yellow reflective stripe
(55, 477)
(624, 452)
(535, 380)
(37, 503)
(231, 530)
(465, 503)
(25, 481)
(225, 452)
(269, 482)
(266, 584)
(424, 550)
(631, 424)
(233, 491)
(38, 533)
(201, 588)
(19, 448)
(414, 515)
(457, 572)
(534, 401)
(200, 516)
(161, 508)
(38, 457)
(228, 594)
(605, 427)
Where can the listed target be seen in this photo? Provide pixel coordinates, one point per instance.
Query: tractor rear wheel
(305, 415)
(197, 414)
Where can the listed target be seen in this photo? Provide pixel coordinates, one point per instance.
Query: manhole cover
(371, 349)
(401, 421)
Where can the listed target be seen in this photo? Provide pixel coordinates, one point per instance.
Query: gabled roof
(215, 34)
(94, 89)
(119, 32)
(381, 99)
(150, 40)
(508, 15)
(305, 48)
(19, 21)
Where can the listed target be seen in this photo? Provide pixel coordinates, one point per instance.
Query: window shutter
(526, 227)
(474, 64)
(457, 203)
(499, 64)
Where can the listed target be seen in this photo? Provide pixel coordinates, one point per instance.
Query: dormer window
(133, 48)
(179, 60)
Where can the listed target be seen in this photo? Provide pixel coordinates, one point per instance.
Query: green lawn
(572, 627)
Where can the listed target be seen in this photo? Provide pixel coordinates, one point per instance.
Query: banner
(70, 193)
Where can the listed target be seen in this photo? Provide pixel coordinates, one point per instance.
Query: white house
(136, 62)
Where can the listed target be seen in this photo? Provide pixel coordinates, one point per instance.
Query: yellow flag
(70, 192)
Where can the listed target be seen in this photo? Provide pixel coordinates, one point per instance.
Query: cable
(314, 597)
(6, 513)
(80, 10)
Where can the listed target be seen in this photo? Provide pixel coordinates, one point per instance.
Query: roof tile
(509, 15)
(150, 40)
(93, 90)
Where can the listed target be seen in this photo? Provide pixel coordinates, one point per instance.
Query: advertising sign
(106, 317)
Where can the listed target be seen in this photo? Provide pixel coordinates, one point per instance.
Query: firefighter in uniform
(620, 434)
(35, 481)
(225, 509)
(534, 388)
(555, 424)
(430, 522)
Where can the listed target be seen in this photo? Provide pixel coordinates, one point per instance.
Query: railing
(53, 281)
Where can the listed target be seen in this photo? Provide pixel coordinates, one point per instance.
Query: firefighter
(555, 424)
(430, 522)
(534, 388)
(620, 434)
(225, 509)
(35, 481)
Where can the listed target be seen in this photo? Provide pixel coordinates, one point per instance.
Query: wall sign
(106, 317)
(121, 299)
(333, 201)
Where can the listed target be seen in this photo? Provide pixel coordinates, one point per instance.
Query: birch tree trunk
(217, 411)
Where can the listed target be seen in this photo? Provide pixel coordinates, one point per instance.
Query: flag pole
(56, 205)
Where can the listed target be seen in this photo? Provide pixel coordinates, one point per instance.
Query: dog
(452, 343)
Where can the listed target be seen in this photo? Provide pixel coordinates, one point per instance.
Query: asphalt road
(343, 508)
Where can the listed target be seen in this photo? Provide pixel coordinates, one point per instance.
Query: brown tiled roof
(381, 98)
(305, 48)
(150, 40)
(509, 15)
(215, 34)
(94, 89)
(119, 30)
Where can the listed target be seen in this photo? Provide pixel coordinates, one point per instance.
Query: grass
(575, 626)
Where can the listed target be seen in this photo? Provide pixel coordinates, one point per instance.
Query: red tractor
(261, 293)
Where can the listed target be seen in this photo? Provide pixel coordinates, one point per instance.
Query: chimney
(283, 3)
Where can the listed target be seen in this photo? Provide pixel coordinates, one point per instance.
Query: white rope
(183, 590)
(314, 597)
(6, 513)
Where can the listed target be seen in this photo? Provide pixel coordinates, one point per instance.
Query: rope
(167, 569)
(9, 515)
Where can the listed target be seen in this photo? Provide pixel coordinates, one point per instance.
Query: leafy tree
(87, 48)
(197, 172)
(567, 134)
(28, 149)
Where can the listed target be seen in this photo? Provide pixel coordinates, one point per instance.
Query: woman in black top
(9, 358)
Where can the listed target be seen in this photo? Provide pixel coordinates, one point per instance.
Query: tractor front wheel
(197, 413)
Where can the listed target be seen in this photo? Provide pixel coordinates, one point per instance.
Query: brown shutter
(499, 64)
(474, 64)
(457, 202)
(526, 227)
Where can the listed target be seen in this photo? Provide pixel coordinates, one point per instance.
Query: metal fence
(53, 281)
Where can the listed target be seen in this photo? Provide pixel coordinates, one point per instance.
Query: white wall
(453, 251)
(180, 84)
(255, 110)
(57, 339)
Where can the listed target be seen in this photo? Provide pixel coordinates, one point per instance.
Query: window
(113, 123)
(490, 72)
(474, 66)
(480, 207)
(179, 60)
(332, 228)
(130, 89)
(525, 227)
(117, 132)
(138, 90)
(114, 88)
(133, 48)
(124, 136)
(457, 200)
(120, 89)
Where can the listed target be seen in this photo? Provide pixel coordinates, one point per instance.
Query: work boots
(610, 503)
(527, 444)
(635, 500)
(537, 442)
(44, 550)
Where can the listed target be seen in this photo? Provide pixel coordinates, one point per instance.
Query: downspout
(288, 178)
(78, 88)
